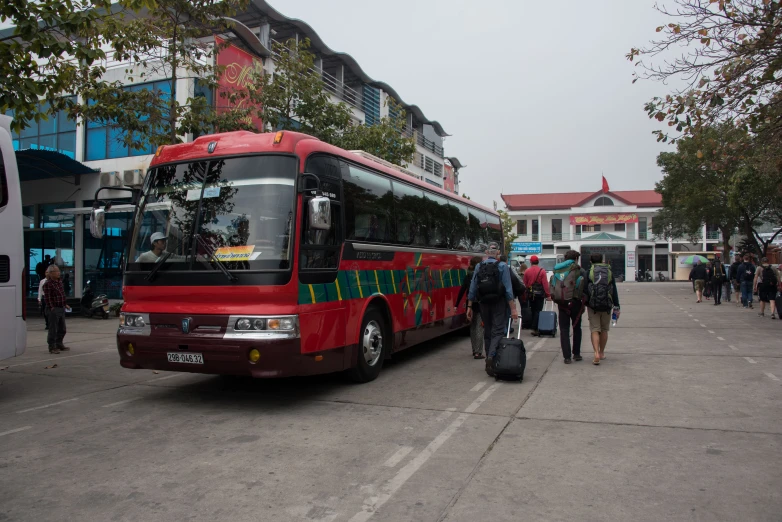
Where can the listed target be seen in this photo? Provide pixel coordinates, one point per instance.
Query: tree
(384, 139)
(177, 40)
(293, 98)
(53, 43)
(508, 230)
(731, 66)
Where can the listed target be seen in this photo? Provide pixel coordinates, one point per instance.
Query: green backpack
(567, 284)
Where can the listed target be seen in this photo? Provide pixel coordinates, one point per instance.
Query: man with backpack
(765, 284)
(745, 274)
(567, 290)
(602, 299)
(492, 288)
(537, 290)
(717, 278)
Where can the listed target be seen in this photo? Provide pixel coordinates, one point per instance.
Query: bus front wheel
(372, 345)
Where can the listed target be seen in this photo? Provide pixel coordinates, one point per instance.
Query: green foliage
(54, 44)
(177, 40)
(383, 139)
(731, 66)
(293, 98)
(508, 230)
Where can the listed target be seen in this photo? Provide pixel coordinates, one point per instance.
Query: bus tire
(373, 344)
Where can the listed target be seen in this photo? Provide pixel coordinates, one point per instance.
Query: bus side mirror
(97, 222)
(319, 213)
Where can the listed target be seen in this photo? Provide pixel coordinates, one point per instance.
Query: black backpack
(489, 284)
(768, 277)
(601, 280)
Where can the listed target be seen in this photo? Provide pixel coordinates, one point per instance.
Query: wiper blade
(213, 258)
(158, 265)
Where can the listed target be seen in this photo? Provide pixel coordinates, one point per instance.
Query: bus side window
(369, 206)
(410, 221)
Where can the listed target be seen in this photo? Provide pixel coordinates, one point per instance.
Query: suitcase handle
(518, 330)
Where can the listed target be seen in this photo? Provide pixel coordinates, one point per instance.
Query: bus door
(12, 287)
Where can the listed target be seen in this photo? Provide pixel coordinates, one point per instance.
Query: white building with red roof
(615, 223)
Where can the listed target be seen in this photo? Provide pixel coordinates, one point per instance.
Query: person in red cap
(536, 281)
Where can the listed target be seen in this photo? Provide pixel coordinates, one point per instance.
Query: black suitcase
(526, 318)
(779, 305)
(510, 360)
(547, 322)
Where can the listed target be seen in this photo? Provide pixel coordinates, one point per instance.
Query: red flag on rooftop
(605, 185)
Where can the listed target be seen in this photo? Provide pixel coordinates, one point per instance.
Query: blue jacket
(504, 279)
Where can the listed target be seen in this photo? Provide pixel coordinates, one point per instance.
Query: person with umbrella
(699, 277)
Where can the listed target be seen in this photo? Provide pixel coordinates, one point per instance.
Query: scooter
(92, 305)
(661, 277)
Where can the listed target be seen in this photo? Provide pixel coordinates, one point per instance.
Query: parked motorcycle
(661, 277)
(92, 305)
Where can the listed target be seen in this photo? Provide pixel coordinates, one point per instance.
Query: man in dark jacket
(745, 274)
(570, 311)
(734, 269)
(717, 278)
(699, 277)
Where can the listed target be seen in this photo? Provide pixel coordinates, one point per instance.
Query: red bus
(235, 266)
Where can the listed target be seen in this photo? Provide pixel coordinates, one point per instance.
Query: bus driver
(158, 241)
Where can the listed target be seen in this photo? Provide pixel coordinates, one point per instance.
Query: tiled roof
(566, 200)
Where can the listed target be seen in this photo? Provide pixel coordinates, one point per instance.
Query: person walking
(476, 325)
(567, 290)
(492, 288)
(746, 277)
(726, 282)
(765, 284)
(42, 301)
(717, 278)
(54, 294)
(734, 270)
(537, 290)
(698, 276)
(602, 300)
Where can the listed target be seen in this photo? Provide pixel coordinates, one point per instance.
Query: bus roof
(245, 142)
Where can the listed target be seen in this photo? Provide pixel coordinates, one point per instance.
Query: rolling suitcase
(510, 360)
(547, 321)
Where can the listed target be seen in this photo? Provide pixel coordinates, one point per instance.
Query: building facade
(617, 224)
(67, 161)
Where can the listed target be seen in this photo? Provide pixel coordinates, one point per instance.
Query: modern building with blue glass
(63, 162)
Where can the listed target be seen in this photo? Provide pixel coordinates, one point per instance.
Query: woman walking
(476, 325)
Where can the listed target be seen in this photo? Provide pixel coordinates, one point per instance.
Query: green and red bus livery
(235, 267)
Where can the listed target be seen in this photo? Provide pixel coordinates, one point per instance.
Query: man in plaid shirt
(54, 294)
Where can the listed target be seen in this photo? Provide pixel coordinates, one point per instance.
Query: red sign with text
(603, 219)
(239, 69)
(448, 180)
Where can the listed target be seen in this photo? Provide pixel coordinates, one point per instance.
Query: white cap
(157, 236)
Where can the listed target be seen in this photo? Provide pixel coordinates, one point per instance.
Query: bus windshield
(235, 211)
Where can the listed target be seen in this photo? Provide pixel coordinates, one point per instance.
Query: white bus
(13, 331)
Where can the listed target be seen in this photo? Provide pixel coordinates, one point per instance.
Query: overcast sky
(537, 95)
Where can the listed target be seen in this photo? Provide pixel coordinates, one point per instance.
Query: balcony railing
(429, 144)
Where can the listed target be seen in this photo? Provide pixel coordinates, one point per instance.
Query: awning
(37, 164)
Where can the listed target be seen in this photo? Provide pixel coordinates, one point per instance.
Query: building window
(371, 104)
(619, 227)
(642, 228)
(105, 141)
(556, 230)
(521, 227)
(58, 133)
(49, 233)
(535, 230)
(604, 201)
(438, 185)
(587, 228)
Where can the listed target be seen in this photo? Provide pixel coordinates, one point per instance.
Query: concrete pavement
(683, 421)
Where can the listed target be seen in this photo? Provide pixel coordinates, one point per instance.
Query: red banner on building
(448, 180)
(603, 219)
(239, 69)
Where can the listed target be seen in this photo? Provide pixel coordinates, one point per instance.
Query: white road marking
(397, 457)
(163, 378)
(703, 325)
(478, 387)
(373, 503)
(734, 348)
(711, 331)
(48, 405)
(17, 430)
(444, 415)
(750, 360)
(121, 402)
(770, 376)
(720, 338)
(61, 358)
(696, 320)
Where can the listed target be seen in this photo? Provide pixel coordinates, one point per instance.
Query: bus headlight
(243, 324)
(264, 327)
(132, 320)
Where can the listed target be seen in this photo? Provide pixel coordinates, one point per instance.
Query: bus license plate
(187, 358)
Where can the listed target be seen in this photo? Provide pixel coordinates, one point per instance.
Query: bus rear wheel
(373, 341)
